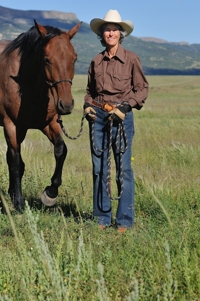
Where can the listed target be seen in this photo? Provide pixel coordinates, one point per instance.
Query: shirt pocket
(99, 81)
(121, 82)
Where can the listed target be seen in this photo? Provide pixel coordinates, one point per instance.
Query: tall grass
(60, 253)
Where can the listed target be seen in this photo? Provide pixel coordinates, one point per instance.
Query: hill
(158, 57)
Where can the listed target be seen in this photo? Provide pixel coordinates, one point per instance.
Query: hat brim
(126, 25)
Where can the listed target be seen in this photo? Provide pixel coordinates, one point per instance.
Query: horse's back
(9, 67)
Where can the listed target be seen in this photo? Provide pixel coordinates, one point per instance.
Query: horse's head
(59, 61)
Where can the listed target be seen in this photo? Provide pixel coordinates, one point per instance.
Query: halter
(58, 81)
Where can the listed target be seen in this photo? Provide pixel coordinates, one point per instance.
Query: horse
(36, 73)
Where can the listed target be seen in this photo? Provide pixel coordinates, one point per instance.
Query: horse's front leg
(53, 132)
(15, 166)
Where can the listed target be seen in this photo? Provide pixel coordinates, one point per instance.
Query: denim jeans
(102, 207)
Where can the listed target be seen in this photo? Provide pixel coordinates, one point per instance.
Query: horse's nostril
(61, 105)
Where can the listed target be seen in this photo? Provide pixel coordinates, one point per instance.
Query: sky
(170, 20)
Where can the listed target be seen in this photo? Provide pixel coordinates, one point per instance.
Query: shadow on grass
(68, 210)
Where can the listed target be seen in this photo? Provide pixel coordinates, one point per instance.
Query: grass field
(60, 253)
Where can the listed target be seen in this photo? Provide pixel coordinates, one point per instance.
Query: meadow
(58, 254)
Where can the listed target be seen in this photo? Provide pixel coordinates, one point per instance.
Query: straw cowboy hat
(112, 16)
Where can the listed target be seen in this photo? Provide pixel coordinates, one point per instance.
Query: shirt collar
(120, 54)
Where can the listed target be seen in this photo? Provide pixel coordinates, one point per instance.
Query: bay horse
(36, 72)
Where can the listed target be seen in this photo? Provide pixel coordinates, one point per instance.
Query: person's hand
(90, 113)
(119, 113)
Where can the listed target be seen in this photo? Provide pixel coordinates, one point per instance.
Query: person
(116, 85)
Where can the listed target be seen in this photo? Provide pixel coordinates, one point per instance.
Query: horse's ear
(42, 31)
(74, 30)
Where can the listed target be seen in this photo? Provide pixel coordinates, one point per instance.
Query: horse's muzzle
(63, 108)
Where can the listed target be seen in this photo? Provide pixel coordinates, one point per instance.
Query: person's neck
(112, 51)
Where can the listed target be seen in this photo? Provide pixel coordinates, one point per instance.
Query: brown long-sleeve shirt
(118, 79)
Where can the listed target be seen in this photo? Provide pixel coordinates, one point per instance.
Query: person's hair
(101, 31)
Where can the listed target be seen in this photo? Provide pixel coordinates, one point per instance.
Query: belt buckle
(108, 107)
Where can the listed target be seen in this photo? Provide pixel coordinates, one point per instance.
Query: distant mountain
(158, 57)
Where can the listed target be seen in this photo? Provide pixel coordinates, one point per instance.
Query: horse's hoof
(46, 200)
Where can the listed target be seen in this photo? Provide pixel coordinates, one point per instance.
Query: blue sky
(171, 20)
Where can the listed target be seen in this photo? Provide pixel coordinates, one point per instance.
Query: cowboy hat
(112, 16)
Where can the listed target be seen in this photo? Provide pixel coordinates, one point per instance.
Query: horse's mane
(30, 48)
(31, 42)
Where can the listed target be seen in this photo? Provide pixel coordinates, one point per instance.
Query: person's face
(111, 34)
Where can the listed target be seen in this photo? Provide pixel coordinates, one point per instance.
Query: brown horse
(36, 72)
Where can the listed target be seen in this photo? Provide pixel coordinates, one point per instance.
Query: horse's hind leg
(50, 193)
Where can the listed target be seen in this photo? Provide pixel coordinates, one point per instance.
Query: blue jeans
(102, 208)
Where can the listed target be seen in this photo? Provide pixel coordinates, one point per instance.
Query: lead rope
(59, 120)
(120, 138)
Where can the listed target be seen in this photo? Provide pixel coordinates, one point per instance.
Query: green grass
(60, 253)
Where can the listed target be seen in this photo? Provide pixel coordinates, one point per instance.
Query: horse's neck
(32, 73)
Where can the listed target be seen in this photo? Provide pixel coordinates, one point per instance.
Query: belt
(106, 106)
